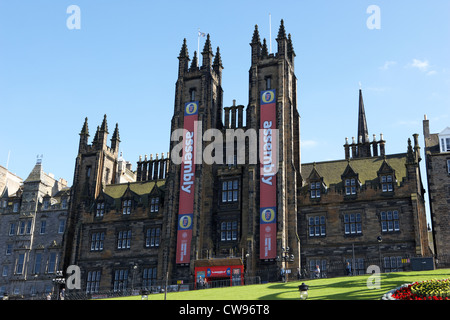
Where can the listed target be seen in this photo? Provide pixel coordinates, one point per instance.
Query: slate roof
(366, 168)
(139, 188)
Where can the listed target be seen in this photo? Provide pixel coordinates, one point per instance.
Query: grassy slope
(344, 288)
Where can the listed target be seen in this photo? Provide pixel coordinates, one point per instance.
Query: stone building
(32, 224)
(366, 209)
(232, 198)
(9, 183)
(437, 160)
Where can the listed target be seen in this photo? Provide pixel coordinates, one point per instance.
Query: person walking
(348, 269)
(317, 272)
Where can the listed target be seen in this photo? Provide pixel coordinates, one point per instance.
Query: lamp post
(379, 248)
(286, 257)
(57, 281)
(303, 288)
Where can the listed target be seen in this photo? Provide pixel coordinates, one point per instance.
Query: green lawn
(344, 288)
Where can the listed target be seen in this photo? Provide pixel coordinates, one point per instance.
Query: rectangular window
(317, 226)
(389, 221)
(100, 209)
(120, 280)
(313, 264)
(230, 191)
(52, 263)
(126, 205)
(64, 203)
(357, 266)
(448, 166)
(152, 237)
(12, 229)
(16, 207)
(93, 281)
(97, 240)
(22, 227)
(62, 226)
(124, 239)
(393, 264)
(154, 204)
(28, 228)
(46, 204)
(20, 262)
(350, 186)
(148, 277)
(37, 263)
(386, 183)
(352, 223)
(43, 225)
(228, 230)
(268, 83)
(5, 271)
(315, 190)
(9, 249)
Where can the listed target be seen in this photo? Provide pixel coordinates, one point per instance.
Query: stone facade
(32, 226)
(437, 159)
(122, 232)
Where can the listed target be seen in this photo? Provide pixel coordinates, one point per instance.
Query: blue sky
(123, 63)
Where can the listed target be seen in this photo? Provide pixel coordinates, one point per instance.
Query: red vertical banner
(187, 179)
(268, 179)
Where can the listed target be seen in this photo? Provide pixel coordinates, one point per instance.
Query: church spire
(363, 132)
(183, 58)
(194, 63)
(207, 53)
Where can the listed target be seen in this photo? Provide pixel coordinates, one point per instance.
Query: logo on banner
(190, 108)
(268, 96)
(268, 215)
(185, 222)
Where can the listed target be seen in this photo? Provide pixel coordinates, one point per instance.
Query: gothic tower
(275, 72)
(95, 166)
(221, 209)
(198, 102)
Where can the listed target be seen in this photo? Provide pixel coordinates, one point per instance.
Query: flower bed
(425, 290)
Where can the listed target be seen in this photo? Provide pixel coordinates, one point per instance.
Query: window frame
(317, 226)
(97, 241)
(124, 239)
(230, 191)
(126, 206)
(315, 188)
(389, 221)
(352, 224)
(228, 230)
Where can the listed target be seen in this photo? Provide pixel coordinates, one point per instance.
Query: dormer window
(64, 203)
(315, 188)
(46, 204)
(154, 204)
(444, 140)
(386, 183)
(126, 206)
(350, 186)
(445, 144)
(100, 209)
